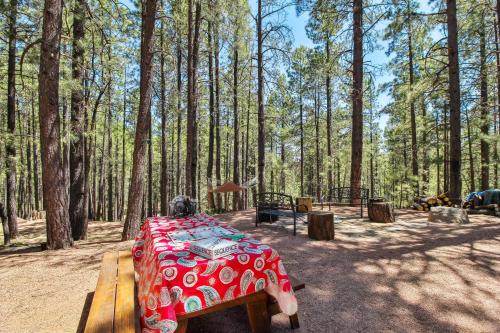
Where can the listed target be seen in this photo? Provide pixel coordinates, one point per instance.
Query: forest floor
(408, 276)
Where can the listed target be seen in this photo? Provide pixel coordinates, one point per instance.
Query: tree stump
(320, 225)
(380, 211)
(304, 204)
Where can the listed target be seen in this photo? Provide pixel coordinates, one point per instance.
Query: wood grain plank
(124, 309)
(101, 314)
(258, 317)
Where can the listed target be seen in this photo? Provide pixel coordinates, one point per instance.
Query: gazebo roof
(228, 187)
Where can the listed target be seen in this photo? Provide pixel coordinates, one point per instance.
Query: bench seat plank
(125, 306)
(102, 311)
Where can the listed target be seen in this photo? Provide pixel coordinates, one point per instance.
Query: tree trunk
(36, 186)
(210, 161)
(164, 154)
(5, 226)
(329, 119)
(372, 177)
(301, 115)
(77, 209)
(247, 140)
(136, 189)
(109, 158)
(485, 121)
(10, 148)
(446, 151)
(150, 168)
(425, 150)
(316, 126)
(29, 181)
(357, 98)
(261, 139)
(236, 128)
(122, 198)
(192, 99)
(179, 113)
(21, 192)
(56, 204)
(217, 117)
(413, 121)
(497, 58)
(472, 175)
(454, 92)
(66, 142)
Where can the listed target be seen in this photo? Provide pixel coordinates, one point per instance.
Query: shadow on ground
(407, 276)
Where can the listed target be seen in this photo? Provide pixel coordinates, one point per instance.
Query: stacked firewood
(425, 203)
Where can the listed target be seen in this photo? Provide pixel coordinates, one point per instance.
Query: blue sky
(376, 58)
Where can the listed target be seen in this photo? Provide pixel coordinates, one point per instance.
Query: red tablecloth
(173, 280)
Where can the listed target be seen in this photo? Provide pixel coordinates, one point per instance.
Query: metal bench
(114, 306)
(271, 205)
(349, 196)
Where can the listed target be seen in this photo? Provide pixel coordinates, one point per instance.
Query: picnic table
(174, 282)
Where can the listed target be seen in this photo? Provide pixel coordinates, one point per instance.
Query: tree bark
(136, 189)
(109, 159)
(380, 211)
(236, 128)
(301, 115)
(316, 126)
(261, 134)
(77, 208)
(211, 103)
(36, 186)
(179, 113)
(10, 148)
(56, 204)
(413, 121)
(446, 151)
(150, 167)
(425, 150)
(217, 114)
(485, 121)
(472, 175)
(192, 99)
(454, 93)
(5, 226)
(357, 98)
(124, 123)
(329, 119)
(164, 154)
(29, 180)
(497, 58)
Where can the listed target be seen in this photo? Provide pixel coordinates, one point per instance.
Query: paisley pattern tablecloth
(174, 281)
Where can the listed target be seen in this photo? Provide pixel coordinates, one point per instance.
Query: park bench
(271, 205)
(349, 196)
(114, 307)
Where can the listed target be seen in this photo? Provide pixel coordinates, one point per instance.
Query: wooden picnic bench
(114, 306)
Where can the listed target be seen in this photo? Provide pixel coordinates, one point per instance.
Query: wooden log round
(382, 211)
(320, 225)
(304, 204)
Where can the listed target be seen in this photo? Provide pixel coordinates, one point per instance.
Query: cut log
(320, 225)
(381, 211)
(418, 207)
(304, 204)
(448, 215)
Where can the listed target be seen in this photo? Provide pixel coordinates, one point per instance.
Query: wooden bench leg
(258, 316)
(294, 321)
(182, 326)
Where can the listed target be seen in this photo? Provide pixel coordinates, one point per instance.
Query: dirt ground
(408, 276)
